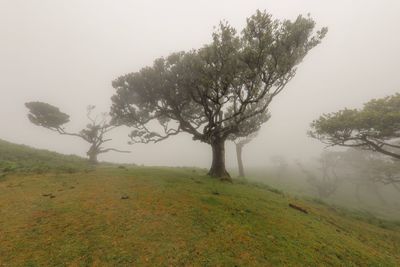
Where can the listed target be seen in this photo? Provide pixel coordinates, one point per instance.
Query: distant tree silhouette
(325, 181)
(248, 131)
(280, 164)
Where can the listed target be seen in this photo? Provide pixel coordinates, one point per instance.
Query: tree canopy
(374, 127)
(46, 115)
(213, 91)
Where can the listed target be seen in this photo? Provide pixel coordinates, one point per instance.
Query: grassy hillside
(176, 217)
(21, 158)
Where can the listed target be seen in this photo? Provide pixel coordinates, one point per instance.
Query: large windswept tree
(50, 117)
(375, 127)
(212, 91)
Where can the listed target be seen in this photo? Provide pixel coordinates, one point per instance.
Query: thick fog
(66, 53)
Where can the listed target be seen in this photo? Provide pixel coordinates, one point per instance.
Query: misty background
(66, 53)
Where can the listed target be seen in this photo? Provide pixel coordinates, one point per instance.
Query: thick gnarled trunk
(218, 169)
(239, 159)
(92, 154)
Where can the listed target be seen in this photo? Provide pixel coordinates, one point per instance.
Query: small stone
(124, 197)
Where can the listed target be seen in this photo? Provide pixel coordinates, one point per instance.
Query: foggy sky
(67, 53)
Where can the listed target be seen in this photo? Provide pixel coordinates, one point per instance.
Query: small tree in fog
(280, 164)
(375, 127)
(325, 180)
(367, 169)
(50, 117)
(212, 91)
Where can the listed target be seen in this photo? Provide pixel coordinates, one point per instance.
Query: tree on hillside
(212, 91)
(325, 180)
(280, 164)
(375, 127)
(367, 169)
(50, 117)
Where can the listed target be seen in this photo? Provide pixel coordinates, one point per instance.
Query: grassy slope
(21, 158)
(172, 217)
(175, 217)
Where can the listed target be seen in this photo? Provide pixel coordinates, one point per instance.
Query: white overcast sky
(67, 53)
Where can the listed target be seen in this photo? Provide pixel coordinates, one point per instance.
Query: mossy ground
(176, 217)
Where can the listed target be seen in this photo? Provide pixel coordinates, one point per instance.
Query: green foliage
(46, 115)
(374, 127)
(381, 117)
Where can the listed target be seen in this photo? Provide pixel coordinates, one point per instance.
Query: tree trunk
(93, 158)
(92, 154)
(239, 159)
(218, 169)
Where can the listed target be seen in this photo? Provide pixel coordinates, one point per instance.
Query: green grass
(176, 217)
(21, 158)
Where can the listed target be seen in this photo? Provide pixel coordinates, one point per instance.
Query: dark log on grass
(293, 206)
